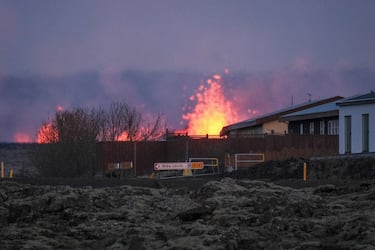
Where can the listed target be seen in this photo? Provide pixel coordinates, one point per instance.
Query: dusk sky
(281, 43)
(56, 37)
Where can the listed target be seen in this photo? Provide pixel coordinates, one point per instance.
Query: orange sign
(197, 165)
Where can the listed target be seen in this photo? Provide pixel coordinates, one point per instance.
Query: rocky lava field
(226, 213)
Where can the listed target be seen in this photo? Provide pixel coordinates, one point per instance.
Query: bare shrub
(70, 148)
(70, 137)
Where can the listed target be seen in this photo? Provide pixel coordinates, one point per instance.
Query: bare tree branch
(152, 128)
(133, 121)
(117, 120)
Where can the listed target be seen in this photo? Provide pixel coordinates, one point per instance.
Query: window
(301, 129)
(321, 127)
(365, 133)
(311, 128)
(348, 134)
(333, 127)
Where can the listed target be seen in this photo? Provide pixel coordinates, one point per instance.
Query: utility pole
(309, 94)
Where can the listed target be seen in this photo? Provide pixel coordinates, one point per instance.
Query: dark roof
(325, 110)
(274, 115)
(358, 99)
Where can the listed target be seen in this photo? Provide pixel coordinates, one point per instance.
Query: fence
(144, 154)
(274, 147)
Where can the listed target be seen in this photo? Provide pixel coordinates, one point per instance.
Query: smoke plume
(27, 101)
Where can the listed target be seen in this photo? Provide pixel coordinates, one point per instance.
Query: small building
(270, 123)
(318, 120)
(357, 124)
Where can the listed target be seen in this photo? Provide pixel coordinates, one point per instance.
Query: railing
(183, 134)
(211, 166)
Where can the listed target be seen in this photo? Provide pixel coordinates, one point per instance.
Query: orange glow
(122, 137)
(47, 134)
(22, 138)
(212, 111)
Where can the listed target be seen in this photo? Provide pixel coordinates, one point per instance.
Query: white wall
(356, 112)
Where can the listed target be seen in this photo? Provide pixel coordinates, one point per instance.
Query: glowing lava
(212, 111)
(122, 137)
(22, 138)
(47, 134)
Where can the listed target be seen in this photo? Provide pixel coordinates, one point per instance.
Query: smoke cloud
(27, 101)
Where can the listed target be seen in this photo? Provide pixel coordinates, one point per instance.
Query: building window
(301, 129)
(365, 132)
(348, 133)
(333, 127)
(311, 130)
(321, 127)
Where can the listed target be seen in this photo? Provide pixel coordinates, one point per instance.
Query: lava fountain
(212, 111)
(48, 133)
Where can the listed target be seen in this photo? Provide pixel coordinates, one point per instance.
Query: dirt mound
(323, 169)
(272, 170)
(221, 214)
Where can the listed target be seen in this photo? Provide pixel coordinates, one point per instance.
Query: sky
(58, 37)
(286, 48)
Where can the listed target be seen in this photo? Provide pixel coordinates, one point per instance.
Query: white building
(357, 124)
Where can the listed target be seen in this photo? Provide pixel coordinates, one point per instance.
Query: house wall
(275, 127)
(356, 111)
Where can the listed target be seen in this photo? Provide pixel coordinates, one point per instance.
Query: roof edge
(310, 116)
(275, 115)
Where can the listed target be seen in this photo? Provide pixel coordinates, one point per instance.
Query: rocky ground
(225, 213)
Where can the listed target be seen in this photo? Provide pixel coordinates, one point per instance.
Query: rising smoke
(25, 102)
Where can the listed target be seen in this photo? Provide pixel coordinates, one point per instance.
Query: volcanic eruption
(212, 110)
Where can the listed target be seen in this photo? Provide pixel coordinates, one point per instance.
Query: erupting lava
(47, 134)
(212, 111)
(22, 138)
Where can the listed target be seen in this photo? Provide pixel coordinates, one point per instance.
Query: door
(365, 133)
(348, 134)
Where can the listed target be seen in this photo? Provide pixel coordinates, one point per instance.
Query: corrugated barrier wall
(274, 147)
